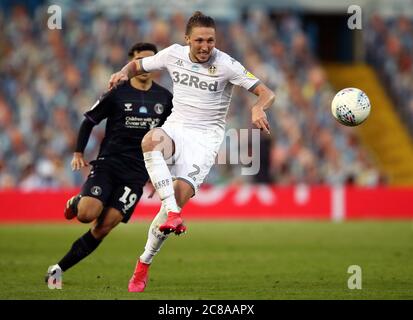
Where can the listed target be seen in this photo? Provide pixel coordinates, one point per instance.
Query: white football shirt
(202, 91)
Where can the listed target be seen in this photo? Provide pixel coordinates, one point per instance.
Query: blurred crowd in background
(49, 78)
(389, 43)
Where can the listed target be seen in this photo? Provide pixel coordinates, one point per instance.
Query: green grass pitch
(217, 260)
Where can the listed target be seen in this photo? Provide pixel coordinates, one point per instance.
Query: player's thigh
(195, 155)
(125, 197)
(96, 192)
(158, 140)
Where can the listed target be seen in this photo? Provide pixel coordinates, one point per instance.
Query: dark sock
(80, 249)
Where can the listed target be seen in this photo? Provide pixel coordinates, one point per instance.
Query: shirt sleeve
(101, 109)
(240, 76)
(83, 135)
(156, 62)
(168, 109)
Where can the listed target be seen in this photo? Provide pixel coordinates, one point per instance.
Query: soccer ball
(350, 107)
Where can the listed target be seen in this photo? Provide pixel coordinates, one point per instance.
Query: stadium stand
(389, 43)
(49, 78)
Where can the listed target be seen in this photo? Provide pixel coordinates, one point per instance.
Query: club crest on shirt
(212, 69)
(159, 108)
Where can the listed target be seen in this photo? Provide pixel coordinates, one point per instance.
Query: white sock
(155, 237)
(161, 179)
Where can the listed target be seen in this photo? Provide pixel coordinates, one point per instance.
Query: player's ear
(187, 39)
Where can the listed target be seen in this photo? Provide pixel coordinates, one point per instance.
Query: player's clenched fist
(116, 79)
(78, 161)
(259, 119)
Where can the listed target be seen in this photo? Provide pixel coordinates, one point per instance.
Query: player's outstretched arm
(266, 98)
(132, 69)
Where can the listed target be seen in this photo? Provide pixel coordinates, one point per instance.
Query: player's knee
(89, 209)
(148, 143)
(86, 214)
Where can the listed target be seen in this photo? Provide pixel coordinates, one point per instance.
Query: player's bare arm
(132, 69)
(266, 98)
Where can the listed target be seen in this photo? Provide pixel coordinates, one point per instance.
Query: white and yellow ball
(350, 107)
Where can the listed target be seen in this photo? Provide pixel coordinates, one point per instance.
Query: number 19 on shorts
(128, 199)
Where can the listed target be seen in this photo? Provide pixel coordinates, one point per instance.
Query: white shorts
(195, 152)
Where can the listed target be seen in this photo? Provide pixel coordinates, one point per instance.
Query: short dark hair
(198, 19)
(142, 46)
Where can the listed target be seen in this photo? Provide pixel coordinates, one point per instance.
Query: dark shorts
(113, 188)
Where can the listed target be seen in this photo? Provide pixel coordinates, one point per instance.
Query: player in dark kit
(118, 175)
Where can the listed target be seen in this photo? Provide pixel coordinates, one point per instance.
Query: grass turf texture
(217, 260)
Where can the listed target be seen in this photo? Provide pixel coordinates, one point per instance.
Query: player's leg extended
(88, 243)
(138, 281)
(83, 246)
(155, 146)
(156, 238)
(87, 208)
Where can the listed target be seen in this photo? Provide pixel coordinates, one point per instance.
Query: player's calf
(100, 232)
(108, 220)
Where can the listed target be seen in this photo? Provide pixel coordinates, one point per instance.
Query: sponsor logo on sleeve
(249, 74)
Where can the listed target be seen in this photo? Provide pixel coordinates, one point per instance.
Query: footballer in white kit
(202, 94)
(203, 78)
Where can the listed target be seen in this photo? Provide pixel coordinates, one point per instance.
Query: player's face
(201, 42)
(138, 55)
